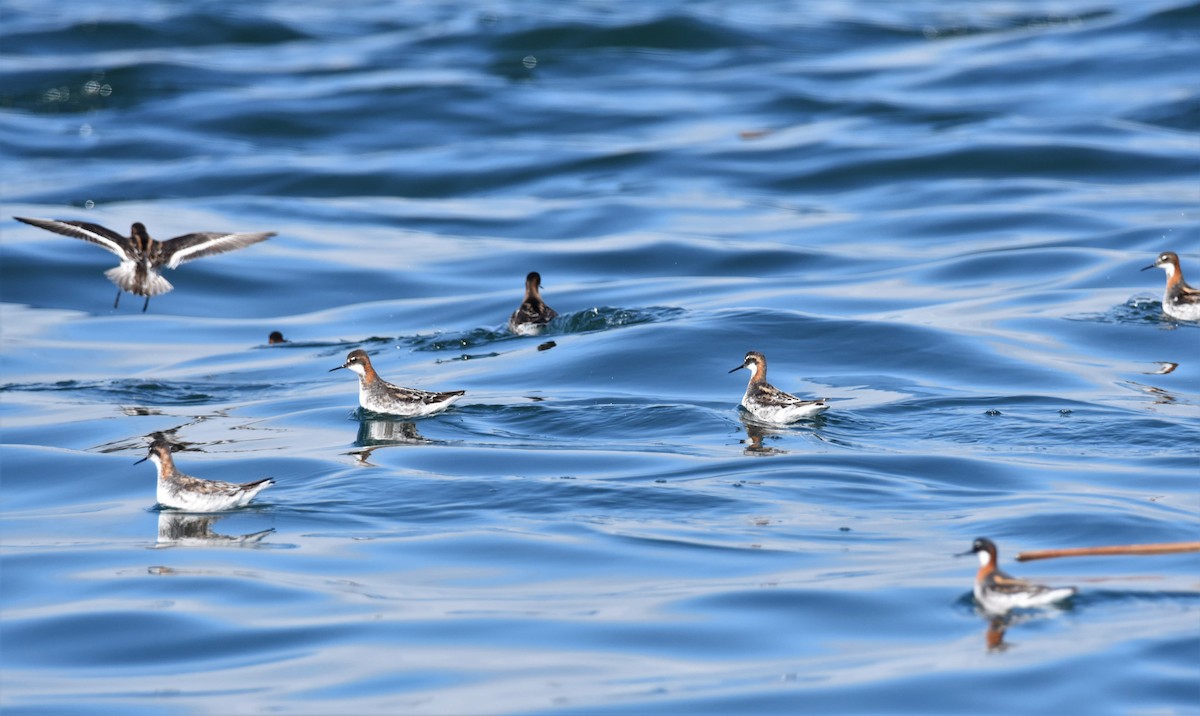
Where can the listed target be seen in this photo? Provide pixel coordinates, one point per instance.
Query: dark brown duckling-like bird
(533, 314)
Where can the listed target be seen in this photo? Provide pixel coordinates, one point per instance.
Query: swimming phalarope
(276, 338)
(998, 592)
(184, 492)
(770, 404)
(142, 257)
(1179, 300)
(379, 396)
(533, 314)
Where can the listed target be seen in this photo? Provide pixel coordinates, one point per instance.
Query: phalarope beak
(968, 553)
(1150, 267)
(139, 462)
(738, 368)
(338, 368)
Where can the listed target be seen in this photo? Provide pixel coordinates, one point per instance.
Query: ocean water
(932, 213)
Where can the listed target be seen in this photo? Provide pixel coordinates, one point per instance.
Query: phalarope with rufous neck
(770, 404)
(184, 492)
(998, 592)
(1179, 300)
(379, 396)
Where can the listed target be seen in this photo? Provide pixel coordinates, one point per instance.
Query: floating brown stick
(1122, 549)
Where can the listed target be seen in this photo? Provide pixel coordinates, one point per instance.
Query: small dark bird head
(275, 337)
(533, 285)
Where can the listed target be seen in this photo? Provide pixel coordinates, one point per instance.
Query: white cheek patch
(984, 558)
(357, 368)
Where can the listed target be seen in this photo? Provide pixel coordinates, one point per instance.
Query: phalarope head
(275, 337)
(1167, 261)
(159, 452)
(357, 361)
(533, 285)
(757, 364)
(983, 548)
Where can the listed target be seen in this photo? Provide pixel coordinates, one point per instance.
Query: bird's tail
(126, 277)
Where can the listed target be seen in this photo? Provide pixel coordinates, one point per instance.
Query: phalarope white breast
(533, 314)
(192, 494)
(770, 404)
(142, 257)
(998, 592)
(1179, 300)
(379, 396)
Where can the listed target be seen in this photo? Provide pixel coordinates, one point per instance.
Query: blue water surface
(931, 213)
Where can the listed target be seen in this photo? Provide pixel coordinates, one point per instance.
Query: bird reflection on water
(176, 529)
(755, 434)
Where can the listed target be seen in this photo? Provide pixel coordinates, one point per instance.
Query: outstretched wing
(182, 249)
(94, 233)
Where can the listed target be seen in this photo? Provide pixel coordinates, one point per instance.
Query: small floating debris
(755, 133)
(547, 346)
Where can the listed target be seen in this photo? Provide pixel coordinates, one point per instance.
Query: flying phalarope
(533, 314)
(998, 592)
(379, 396)
(770, 404)
(184, 492)
(142, 257)
(1179, 300)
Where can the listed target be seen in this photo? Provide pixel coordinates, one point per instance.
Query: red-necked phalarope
(770, 404)
(1179, 300)
(998, 592)
(142, 257)
(533, 314)
(192, 494)
(379, 396)
(275, 338)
